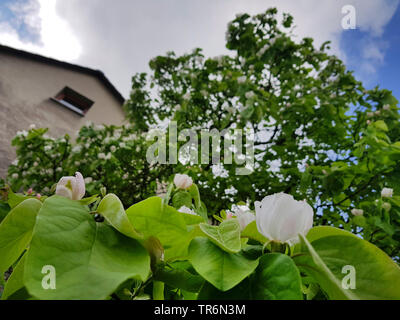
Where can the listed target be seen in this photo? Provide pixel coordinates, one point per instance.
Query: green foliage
(319, 135)
(108, 156)
(91, 259)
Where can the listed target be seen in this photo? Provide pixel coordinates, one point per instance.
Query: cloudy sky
(119, 37)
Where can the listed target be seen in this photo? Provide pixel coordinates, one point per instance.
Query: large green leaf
(222, 269)
(311, 263)
(226, 235)
(325, 231)
(16, 231)
(251, 232)
(15, 284)
(179, 278)
(113, 211)
(377, 276)
(276, 278)
(91, 259)
(151, 218)
(318, 232)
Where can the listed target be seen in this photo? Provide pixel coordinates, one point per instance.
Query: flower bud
(183, 181)
(281, 218)
(244, 218)
(71, 187)
(357, 212)
(387, 206)
(386, 192)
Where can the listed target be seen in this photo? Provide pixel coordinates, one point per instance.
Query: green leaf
(194, 192)
(202, 211)
(377, 276)
(181, 279)
(313, 265)
(222, 269)
(112, 209)
(90, 259)
(15, 199)
(151, 218)
(4, 210)
(181, 198)
(380, 124)
(15, 283)
(276, 278)
(251, 232)
(191, 219)
(226, 235)
(16, 231)
(326, 231)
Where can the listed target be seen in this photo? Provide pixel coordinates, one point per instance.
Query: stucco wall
(26, 87)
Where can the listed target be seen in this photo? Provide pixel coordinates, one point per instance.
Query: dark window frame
(73, 101)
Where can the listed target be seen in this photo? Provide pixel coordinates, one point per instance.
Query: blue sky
(120, 37)
(386, 71)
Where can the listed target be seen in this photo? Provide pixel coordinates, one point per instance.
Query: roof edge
(96, 73)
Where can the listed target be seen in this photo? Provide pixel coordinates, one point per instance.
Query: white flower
(35, 164)
(241, 79)
(113, 148)
(186, 96)
(386, 192)
(183, 181)
(185, 209)
(32, 126)
(281, 218)
(71, 187)
(122, 145)
(204, 93)
(101, 156)
(178, 107)
(75, 149)
(47, 148)
(249, 94)
(15, 162)
(125, 176)
(14, 176)
(386, 107)
(357, 212)
(244, 218)
(88, 180)
(378, 112)
(59, 169)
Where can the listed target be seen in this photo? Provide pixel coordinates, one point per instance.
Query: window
(73, 101)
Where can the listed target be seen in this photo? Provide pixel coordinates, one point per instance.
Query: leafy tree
(320, 135)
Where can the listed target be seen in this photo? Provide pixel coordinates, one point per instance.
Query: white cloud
(56, 38)
(120, 37)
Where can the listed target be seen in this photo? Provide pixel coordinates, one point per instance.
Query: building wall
(26, 87)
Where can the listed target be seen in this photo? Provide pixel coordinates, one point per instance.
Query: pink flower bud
(38, 196)
(30, 191)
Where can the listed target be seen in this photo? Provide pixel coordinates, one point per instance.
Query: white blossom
(183, 181)
(281, 218)
(357, 212)
(387, 193)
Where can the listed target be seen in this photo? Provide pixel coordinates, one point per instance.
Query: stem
(158, 290)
